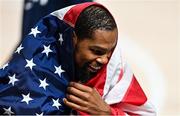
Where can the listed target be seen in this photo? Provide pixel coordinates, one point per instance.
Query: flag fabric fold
(34, 10)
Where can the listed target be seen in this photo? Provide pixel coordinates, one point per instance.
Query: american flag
(41, 8)
(34, 81)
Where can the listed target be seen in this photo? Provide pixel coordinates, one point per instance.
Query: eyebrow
(99, 48)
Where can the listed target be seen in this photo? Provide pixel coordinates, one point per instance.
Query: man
(78, 43)
(95, 38)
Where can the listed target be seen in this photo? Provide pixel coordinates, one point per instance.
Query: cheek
(83, 57)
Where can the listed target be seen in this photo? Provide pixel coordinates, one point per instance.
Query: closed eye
(98, 52)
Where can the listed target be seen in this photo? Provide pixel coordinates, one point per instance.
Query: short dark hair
(91, 19)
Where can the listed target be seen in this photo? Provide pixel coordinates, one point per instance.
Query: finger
(73, 105)
(97, 92)
(76, 100)
(81, 87)
(78, 93)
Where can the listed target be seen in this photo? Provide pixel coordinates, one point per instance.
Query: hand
(86, 99)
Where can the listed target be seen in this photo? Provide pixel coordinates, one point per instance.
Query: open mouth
(93, 68)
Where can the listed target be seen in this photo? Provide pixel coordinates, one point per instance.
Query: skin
(90, 55)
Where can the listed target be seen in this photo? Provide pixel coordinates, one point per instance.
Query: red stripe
(72, 15)
(98, 81)
(116, 111)
(120, 75)
(134, 94)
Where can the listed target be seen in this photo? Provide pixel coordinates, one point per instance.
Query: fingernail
(64, 99)
(71, 83)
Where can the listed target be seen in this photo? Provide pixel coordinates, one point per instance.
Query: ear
(74, 39)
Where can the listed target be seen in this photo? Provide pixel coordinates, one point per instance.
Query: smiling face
(92, 53)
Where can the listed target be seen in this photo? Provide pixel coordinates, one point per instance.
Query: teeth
(97, 68)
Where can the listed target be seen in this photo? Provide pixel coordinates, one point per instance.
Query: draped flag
(34, 10)
(34, 81)
(120, 89)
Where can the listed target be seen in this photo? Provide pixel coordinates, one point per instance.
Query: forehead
(104, 38)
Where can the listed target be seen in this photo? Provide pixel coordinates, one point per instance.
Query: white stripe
(61, 13)
(114, 91)
(117, 93)
(113, 70)
(146, 109)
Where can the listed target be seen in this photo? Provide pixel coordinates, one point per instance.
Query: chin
(84, 75)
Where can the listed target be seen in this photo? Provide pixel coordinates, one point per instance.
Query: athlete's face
(92, 53)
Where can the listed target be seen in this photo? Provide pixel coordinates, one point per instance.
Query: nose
(102, 59)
